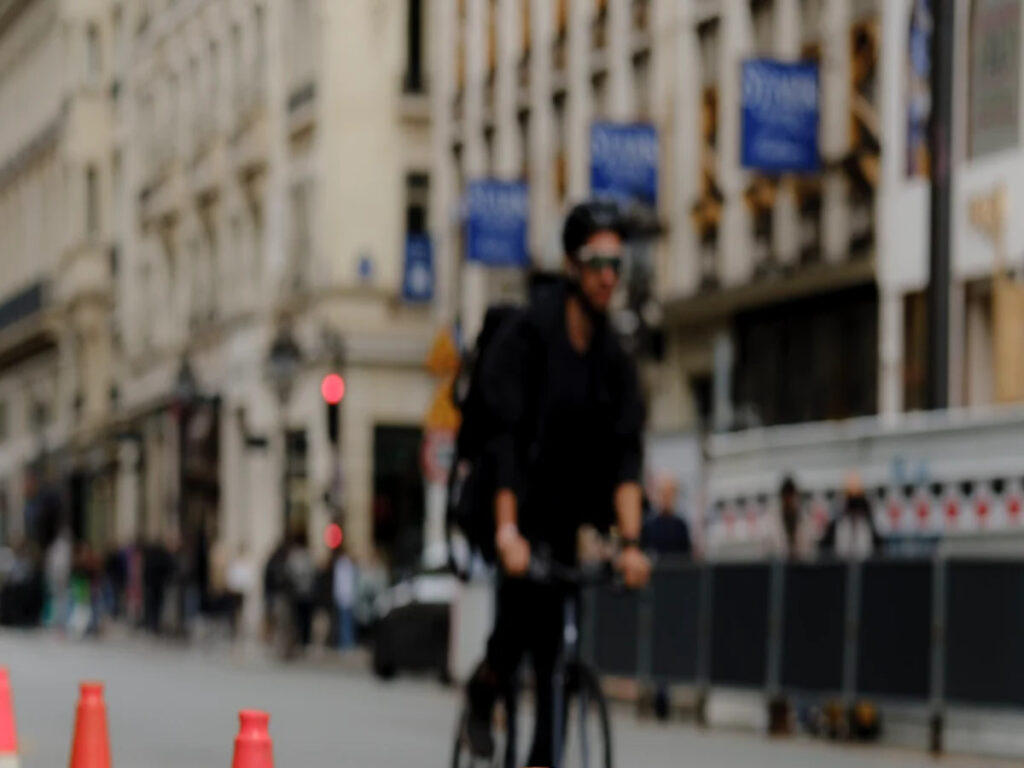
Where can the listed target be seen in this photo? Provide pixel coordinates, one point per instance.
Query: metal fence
(933, 632)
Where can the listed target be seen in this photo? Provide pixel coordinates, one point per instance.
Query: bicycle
(578, 697)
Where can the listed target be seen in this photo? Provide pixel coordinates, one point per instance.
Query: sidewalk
(211, 645)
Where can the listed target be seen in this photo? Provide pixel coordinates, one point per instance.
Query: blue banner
(418, 271)
(497, 223)
(624, 162)
(919, 88)
(780, 116)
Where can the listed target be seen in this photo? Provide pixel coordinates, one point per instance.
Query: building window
(92, 202)
(994, 111)
(524, 141)
(296, 481)
(761, 12)
(414, 48)
(237, 62)
(600, 94)
(94, 61)
(708, 44)
(915, 351)
(417, 195)
(214, 74)
(302, 47)
(116, 29)
(302, 246)
(642, 84)
(258, 25)
(812, 13)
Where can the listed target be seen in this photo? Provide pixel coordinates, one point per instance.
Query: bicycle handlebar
(545, 570)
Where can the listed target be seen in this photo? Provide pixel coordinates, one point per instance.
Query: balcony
(414, 100)
(23, 305)
(204, 133)
(161, 156)
(301, 106)
(641, 13)
(297, 279)
(250, 100)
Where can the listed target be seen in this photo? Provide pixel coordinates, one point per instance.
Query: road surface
(171, 707)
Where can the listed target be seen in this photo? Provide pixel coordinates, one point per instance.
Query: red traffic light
(333, 536)
(332, 388)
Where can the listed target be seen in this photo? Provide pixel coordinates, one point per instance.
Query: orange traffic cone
(8, 731)
(253, 747)
(91, 747)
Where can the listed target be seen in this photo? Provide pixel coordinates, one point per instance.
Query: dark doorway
(811, 359)
(398, 499)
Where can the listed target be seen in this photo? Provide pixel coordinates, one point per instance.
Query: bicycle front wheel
(587, 729)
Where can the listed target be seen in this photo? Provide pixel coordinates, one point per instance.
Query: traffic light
(333, 390)
(333, 535)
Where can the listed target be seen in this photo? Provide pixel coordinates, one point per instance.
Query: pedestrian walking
(345, 576)
(666, 533)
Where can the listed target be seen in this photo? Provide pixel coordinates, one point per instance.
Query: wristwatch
(629, 543)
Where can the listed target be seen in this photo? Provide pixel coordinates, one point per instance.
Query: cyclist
(566, 451)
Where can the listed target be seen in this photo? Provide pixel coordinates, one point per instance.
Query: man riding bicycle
(566, 450)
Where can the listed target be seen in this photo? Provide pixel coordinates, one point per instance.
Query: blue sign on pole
(624, 162)
(418, 271)
(780, 116)
(497, 223)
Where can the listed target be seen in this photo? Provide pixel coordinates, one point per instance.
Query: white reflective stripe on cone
(9, 761)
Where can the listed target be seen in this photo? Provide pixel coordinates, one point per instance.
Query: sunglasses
(597, 261)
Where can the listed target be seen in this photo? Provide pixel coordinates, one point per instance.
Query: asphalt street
(172, 707)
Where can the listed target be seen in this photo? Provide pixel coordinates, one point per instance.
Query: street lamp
(282, 364)
(281, 368)
(184, 393)
(186, 388)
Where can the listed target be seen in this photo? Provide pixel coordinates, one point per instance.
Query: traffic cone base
(253, 748)
(90, 747)
(8, 730)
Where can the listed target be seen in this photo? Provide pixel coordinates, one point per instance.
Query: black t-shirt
(569, 424)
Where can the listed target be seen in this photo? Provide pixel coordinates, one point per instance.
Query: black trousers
(529, 619)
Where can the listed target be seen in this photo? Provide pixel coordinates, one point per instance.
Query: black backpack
(471, 482)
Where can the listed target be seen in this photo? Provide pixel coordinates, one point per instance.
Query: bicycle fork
(570, 650)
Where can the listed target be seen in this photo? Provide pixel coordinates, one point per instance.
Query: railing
(932, 632)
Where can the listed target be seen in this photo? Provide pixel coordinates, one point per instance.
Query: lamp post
(184, 395)
(186, 390)
(281, 368)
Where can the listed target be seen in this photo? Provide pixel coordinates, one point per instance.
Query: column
(890, 353)
(578, 99)
(735, 246)
(785, 224)
(276, 189)
(543, 224)
(127, 494)
(835, 127)
(662, 112)
(509, 158)
(474, 282)
(892, 115)
(443, 195)
(721, 395)
(683, 273)
(620, 87)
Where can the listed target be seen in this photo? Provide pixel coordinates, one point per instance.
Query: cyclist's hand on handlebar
(635, 567)
(513, 551)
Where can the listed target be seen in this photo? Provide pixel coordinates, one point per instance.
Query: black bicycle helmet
(588, 218)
